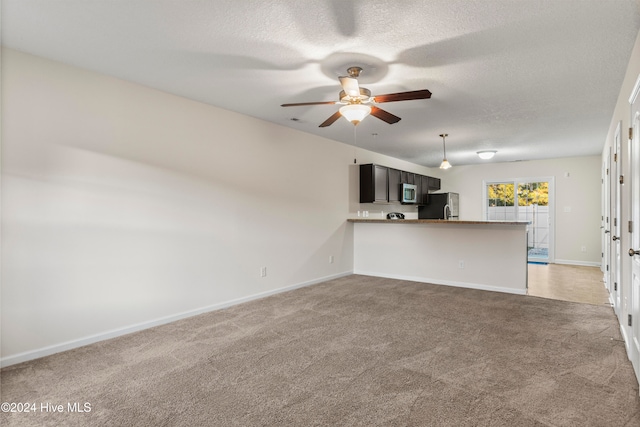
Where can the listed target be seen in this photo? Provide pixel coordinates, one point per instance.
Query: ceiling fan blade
(297, 104)
(331, 119)
(350, 86)
(403, 96)
(385, 116)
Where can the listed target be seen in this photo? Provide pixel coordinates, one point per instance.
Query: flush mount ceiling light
(445, 163)
(355, 113)
(486, 154)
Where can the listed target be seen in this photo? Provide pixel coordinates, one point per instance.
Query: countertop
(434, 221)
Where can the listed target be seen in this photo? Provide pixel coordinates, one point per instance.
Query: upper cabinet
(408, 177)
(423, 189)
(395, 179)
(381, 184)
(374, 184)
(434, 184)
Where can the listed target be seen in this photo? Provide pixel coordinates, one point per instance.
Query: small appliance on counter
(395, 215)
(440, 206)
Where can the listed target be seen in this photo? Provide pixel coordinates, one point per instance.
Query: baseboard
(69, 345)
(573, 262)
(625, 338)
(613, 304)
(478, 286)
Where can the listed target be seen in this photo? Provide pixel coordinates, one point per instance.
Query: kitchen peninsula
(487, 255)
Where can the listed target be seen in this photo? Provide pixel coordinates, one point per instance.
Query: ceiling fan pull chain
(355, 143)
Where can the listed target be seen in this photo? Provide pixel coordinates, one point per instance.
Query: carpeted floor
(356, 351)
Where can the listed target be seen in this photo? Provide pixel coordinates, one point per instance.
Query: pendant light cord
(444, 147)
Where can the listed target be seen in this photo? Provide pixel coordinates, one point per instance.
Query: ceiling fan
(356, 100)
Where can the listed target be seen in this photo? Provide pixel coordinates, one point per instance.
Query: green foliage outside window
(528, 194)
(533, 193)
(500, 194)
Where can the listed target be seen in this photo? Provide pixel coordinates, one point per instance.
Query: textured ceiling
(532, 79)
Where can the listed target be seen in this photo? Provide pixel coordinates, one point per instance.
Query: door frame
(604, 223)
(552, 203)
(631, 289)
(615, 251)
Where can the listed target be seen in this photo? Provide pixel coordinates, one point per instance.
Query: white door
(525, 199)
(606, 211)
(632, 325)
(617, 226)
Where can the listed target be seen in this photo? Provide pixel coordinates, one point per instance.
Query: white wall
(580, 192)
(621, 115)
(479, 256)
(123, 206)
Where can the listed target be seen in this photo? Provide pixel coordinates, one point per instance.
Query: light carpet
(356, 351)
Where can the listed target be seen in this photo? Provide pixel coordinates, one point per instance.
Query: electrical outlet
(330, 259)
(263, 272)
(461, 264)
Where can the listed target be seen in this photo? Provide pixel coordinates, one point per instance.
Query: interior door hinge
(630, 320)
(615, 222)
(615, 157)
(630, 133)
(621, 179)
(615, 286)
(630, 226)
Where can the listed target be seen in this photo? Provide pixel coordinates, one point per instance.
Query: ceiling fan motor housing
(365, 96)
(354, 72)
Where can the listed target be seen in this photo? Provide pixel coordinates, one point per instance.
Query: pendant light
(445, 163)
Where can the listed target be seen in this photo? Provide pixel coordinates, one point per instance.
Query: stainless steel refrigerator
(440, 206)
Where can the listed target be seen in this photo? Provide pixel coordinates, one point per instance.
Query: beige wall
(123, 206)
(579, 193)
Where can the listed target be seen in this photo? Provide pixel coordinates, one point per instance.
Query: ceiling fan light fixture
(445, 163)
(486, 154)
(356, 101)
(355, 113)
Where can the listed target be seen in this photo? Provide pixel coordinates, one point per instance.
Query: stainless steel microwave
(409, 193)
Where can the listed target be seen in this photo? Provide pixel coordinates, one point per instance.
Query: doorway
(525, 199)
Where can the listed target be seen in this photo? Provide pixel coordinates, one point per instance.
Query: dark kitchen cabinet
(434, 184)
(423, 190)
(381, 184)
(418, 184)
(395, 179)
(374, 184)
(408, 177)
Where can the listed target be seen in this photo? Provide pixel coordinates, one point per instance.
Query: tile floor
(568, 283)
